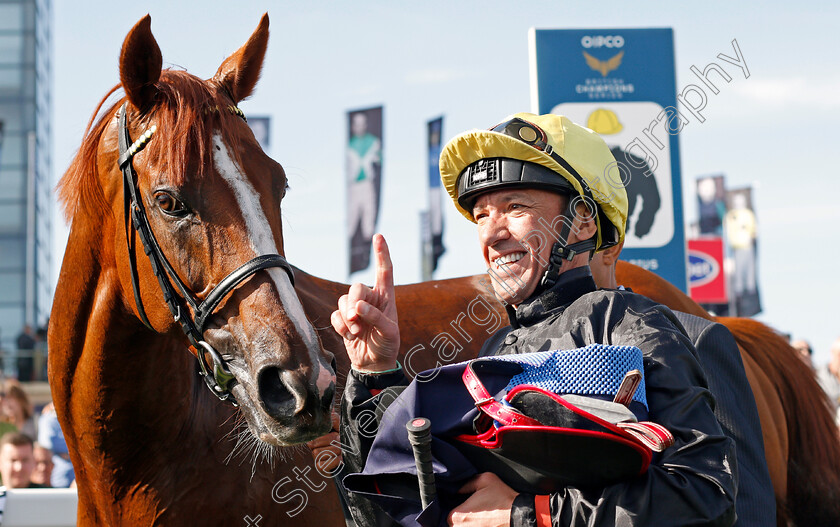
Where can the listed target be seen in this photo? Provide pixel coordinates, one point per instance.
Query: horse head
(200, 197)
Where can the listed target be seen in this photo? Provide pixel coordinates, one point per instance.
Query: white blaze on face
(262, 242)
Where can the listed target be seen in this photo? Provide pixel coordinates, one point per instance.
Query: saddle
(538, 441)
(540, 421)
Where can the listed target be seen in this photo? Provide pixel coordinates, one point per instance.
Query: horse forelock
(187, 113)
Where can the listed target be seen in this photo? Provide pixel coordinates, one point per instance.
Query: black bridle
(220, 380)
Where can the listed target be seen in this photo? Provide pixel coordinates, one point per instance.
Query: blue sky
(468, 60)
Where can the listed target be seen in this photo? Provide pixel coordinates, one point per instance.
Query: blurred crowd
(25, 360)
(828, 375)
(33, 453)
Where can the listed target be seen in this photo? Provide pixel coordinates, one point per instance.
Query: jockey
(545, 197)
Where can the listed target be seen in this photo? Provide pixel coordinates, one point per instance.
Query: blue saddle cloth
(595, 370)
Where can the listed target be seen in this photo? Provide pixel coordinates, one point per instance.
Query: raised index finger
(384, 268)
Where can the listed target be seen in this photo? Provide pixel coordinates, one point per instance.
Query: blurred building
(25, 165)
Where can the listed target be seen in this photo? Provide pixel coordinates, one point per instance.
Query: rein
(220, 380)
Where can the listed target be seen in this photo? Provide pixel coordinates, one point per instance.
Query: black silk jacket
(692, 483)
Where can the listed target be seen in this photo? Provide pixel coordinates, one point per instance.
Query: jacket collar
(569, 287)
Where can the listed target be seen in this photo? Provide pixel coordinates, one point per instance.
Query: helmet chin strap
(560, 251)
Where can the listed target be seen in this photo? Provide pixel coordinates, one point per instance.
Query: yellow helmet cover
(571, 151)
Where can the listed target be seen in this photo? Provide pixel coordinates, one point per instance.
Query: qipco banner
(620, 83)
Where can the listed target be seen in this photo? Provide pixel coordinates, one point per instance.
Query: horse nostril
(279, 402)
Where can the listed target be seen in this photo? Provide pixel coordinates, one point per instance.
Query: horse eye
(169, 205)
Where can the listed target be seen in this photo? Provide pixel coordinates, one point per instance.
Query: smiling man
(515, 235)
(542, 193)
(17, 461)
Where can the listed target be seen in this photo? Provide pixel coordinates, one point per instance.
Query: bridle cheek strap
(219, 379)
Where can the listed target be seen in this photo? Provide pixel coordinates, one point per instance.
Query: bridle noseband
(220, 380)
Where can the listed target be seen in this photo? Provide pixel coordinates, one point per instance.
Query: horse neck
(112, 375)
(144, 433)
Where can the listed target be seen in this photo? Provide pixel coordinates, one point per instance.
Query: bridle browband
(220, 380)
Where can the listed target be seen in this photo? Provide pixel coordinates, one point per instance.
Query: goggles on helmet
(526, 132)
(496, 173)
(533, 135)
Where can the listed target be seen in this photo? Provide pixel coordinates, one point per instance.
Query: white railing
(40, 508)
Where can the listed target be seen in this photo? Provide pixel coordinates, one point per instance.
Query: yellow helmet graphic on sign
(604, 122)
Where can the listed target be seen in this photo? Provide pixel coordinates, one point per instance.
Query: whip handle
(420, 437)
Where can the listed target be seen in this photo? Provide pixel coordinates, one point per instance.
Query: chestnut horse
(171, 169)
(150, 443)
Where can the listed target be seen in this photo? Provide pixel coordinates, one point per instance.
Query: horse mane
(187, 111)
(811, 449)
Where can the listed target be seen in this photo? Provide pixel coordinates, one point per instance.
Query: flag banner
(741, 230)
(364, 167)
(706, 276)
(435, 130)
(711, 204)
(620, 83)
(261, 127)
(425, 247)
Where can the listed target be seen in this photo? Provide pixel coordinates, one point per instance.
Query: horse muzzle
(298, 408)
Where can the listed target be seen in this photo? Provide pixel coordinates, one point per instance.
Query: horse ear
(240, 72)
(140, 64)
